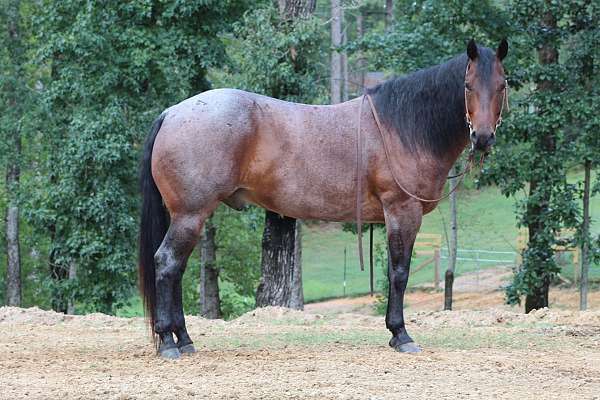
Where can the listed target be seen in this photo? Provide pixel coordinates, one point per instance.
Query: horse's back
(227, 144)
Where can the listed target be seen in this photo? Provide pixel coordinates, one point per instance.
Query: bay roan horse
(300, 160)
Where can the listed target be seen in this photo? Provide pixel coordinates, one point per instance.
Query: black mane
(426, 108)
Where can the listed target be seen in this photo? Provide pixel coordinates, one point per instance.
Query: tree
(210, 304)
(583, 21)
(337, 15)
(538, 146)
(428, 32)
(389, 13)
(291, 9)
(114, 66)
(15, 97)
(453, 245)
(281, 279)
(585, 232)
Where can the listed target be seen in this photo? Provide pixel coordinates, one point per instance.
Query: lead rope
(380, 128)
(461, 175)
(359, 184)
(359, 188)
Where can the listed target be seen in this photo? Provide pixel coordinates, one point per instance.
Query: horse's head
(485, 93)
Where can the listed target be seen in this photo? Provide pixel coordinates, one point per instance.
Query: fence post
(477, 263)
(436, 270)
(345, 271)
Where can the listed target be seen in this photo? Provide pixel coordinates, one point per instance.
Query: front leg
(402, 224)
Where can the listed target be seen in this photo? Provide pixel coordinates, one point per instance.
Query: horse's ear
(502, 50)
(472, 51)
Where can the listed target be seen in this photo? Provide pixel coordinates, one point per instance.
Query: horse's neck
(454, 154)
(435, 170)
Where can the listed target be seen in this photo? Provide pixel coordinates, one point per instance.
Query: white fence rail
(482, 256)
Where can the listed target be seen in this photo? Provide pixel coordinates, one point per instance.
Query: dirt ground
(475, 290)
(276, 353)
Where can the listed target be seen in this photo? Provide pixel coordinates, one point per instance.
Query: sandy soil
(275, 353)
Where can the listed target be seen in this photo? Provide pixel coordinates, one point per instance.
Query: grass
(288, 332)
(486, 222)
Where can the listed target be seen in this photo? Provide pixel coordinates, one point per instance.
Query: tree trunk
(290, 9)
(297, 299)
(336, 57)
(58, 273)
(585, 230)
(389, 14)
(345, 91)
(210, 304)
(72, 276)
(361, 62)
(538, 298)
(547, 54)
(281, 280)
(453, 242)
(13, 269)
(13, 174)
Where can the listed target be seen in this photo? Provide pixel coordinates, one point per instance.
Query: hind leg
(184, 342)
(171, 259)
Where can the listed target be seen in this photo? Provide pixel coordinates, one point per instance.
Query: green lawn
(486, 222)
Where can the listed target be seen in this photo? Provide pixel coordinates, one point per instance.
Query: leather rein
(381, 129)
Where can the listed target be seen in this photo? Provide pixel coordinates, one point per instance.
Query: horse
(300, 160)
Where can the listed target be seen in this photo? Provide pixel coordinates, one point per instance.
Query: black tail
(153, 226)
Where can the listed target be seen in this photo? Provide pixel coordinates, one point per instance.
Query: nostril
(473, 136)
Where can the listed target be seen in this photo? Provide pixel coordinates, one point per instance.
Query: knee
(399, 276)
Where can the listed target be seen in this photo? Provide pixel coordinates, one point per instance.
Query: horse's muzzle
(483, 140)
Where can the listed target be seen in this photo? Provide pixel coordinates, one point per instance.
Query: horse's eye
(468, 86)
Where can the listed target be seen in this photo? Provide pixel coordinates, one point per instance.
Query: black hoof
(403, 346)
(171, 353)
(187, 349)
(410, 347)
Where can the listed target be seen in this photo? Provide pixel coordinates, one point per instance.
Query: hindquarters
(198, 153)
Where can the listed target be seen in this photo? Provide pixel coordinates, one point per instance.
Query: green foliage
(234, 304)
(551, 128)
(383, 284)
(18, 74)
(111, 68)
(238, 251)
(239, 236)
(427, 32)
(282, 59)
